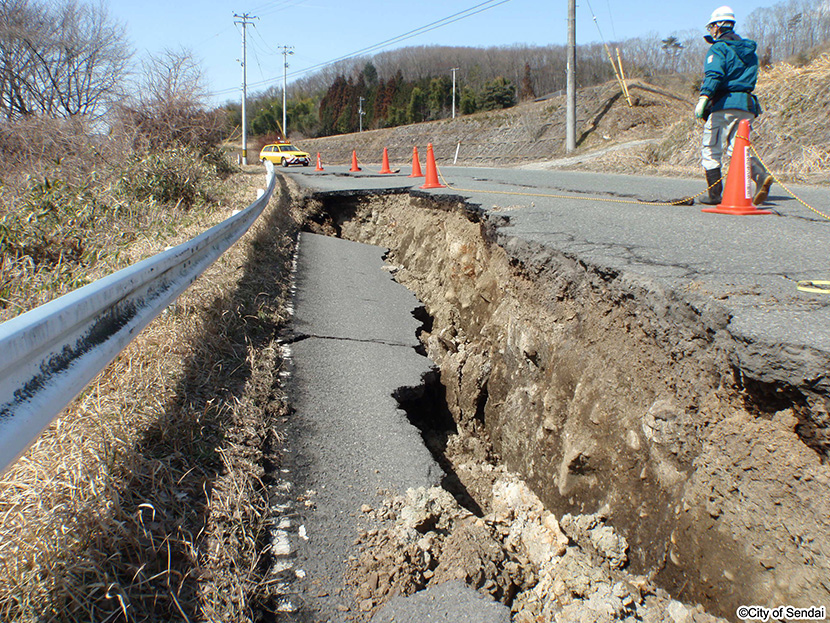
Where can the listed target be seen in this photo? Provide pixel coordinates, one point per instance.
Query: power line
(469, 12)
(596, 23)
(288, 4)
(413, 33)
(267, 47)
(256, 56)
(611, 19)
(263, 8)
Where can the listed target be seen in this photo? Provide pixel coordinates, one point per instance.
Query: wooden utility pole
(570, 115)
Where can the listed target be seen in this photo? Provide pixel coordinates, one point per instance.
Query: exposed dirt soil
(605, 459)
(581, 405)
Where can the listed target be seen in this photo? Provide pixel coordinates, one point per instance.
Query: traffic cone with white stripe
(319, 163)
(432, 171)
(737, 193)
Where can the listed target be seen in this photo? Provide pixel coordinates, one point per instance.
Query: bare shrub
(175, 176)
(169, 109)
(258, 142)
(40, 146)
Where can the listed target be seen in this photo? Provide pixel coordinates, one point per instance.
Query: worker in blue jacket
(731, 70)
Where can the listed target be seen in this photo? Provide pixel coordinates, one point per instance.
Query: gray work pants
(720, 129)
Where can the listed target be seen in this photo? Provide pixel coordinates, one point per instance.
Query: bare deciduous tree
(59, 59)
(169, 105)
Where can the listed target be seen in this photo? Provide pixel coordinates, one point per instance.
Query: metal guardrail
(49, 354)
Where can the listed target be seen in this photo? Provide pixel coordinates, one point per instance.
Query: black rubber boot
(715, 184)
(763, 180)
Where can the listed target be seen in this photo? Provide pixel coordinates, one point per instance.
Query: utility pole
(286, 50)
(360, 112)
(570, 114)
(244, 20)
(453, 70)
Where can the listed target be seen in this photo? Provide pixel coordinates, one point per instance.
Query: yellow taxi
(284, 154)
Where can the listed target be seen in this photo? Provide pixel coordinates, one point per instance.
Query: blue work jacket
(731, 71)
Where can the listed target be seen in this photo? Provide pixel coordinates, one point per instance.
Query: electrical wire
(269, 6)
(469, 12)
(611, 19)
(596, 22)
(266, 45)
(424, 29)
(289, 4)
(254, 47)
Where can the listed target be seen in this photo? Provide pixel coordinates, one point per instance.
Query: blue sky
(324, 30)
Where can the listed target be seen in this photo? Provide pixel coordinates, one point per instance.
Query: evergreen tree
(370, 74)
(331, 106)
(440, 96)
(498, 93)
(467, 104)
(417, 106)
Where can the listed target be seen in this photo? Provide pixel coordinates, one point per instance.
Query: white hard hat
(722, 14)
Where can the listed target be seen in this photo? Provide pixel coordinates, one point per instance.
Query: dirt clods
(518, 553)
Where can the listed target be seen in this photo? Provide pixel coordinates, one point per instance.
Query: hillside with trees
(413, 84)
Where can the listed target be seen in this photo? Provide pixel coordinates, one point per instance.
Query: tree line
(412, 85)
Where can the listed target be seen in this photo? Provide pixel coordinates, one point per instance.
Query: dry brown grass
(793, 133)
(791, 136)
(147, 499)
(57, 235)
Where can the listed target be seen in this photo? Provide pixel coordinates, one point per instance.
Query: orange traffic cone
(432, 171)
(354, 162)
(416, 164)
(319, 163)
(385, 166)
(737, 195)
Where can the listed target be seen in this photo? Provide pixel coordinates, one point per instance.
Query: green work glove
(701, 106)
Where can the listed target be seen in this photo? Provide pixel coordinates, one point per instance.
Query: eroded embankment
(609, 396)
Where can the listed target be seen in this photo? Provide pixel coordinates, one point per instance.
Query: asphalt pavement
(748, 267)
(355, 340)
(353, 347)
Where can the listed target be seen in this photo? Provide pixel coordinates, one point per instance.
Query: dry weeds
(793, 133)
(791, 136)
(147, 499)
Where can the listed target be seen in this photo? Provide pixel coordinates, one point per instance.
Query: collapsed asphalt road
(651, 363)
(353, 349)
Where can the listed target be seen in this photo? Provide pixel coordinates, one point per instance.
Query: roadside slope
(657, 134)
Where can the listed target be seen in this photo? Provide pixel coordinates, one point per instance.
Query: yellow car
(284, 154)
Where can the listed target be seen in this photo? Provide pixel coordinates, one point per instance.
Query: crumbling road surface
(632, 397)
(353, 350)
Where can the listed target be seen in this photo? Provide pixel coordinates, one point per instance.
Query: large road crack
(300, 337)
